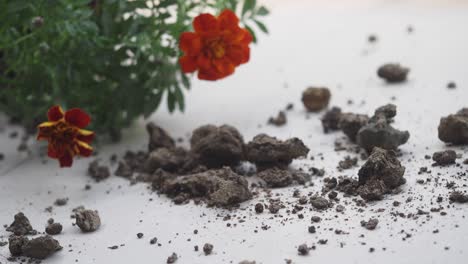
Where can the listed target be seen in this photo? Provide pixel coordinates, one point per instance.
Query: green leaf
(180, 98)
(262, 11)
(171, 100)
(261, 26)
(248, 6)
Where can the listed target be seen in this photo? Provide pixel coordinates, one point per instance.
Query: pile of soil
(208, 172)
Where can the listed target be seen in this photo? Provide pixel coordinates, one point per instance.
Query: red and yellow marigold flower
(65, 134)
(217, 46)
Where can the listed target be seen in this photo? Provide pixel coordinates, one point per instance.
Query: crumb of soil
(458, 197)
(247, 262)
(393, 73)
(61, 201)
(172, 258)
(207, 249)
(319, 203)
(279, 120)
(371, 224)
(54, 229)
(454, 128)
(351, 123)
(259, 208)
(451, 85)
(275, 177)
(220, 187)
(98, 172)
(446, 157)
(381, 173)
(217, 146)
(347, 163)
(164, 158)
(303, 249)
(158, 137)
(379, 133)
(316, 98)
(21, 226)
(37, 248)
(266, 151)
(140, 235)
(88, 220)
(372, 38)
(331, 119)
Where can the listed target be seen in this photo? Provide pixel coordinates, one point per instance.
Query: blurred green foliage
(115, 59)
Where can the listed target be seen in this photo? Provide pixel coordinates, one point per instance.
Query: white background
(311, 43)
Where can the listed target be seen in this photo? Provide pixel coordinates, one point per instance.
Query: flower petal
(51, 152)
(228, 20)
(77, 117)
(85, 136)
(188, 64)
(190, 43)
(43, 130)
(205, 22)
(85, 149)
(66, 160)
(55, 113)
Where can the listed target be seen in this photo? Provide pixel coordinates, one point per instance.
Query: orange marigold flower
(217, 46)
(65, 134)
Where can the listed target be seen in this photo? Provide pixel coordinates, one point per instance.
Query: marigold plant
(117, 59)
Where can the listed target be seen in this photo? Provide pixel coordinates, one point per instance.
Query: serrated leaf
(262, 11)
(248, 6)
(261, 26)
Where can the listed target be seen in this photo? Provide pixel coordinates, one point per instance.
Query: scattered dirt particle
(319, 203)
(315, 219)
(446, 157)
(454, 128)
(54, 229)
(303, 249)
(38, 248)
(458, 197)
(140, 235)
(207, 249)
(371, 224)
(88, 220)
(279, 120)
(312, 229)
(372, 38)
(331, 119)
(451, 85)
(259, 208)
(61, 201)
(21, 226)
(393, 73)
(153, 241)
(172, 258)
(98, 172)
(316, 98)
(347, 163)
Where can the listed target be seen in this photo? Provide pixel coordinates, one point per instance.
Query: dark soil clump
(266, 151)
(316, 98)
(381, 173)
(172, 258)
(331, 119)
(54, 229)
(393, 73)
(371, 224)
(303, 249)
(158, 138)
(220, 187)
(21, 226)
(443, 158)
(217, 146)
(275, 177)
(98, 172)
(279, 120)
(88, 220)
(379, 133)
(454, 128)
(166, 159)
(351, 123)
(37, 248)
(458, 197)
(207, 249)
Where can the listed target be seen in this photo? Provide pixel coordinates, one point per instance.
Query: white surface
(307, 46)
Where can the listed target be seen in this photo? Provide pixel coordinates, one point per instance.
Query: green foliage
(115, 59)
